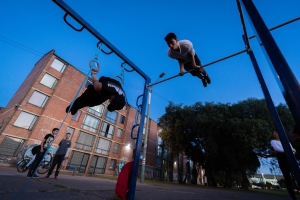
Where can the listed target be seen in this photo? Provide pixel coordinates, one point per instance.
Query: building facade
(101, 142)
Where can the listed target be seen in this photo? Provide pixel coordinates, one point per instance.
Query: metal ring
(96, 64)
(119, 78)
(99, 44)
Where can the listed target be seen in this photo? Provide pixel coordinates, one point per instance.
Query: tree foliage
(225, 138)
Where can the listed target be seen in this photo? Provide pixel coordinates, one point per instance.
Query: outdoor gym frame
(102, 39)
(287, 82)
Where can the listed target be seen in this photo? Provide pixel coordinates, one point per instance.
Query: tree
(224, 138)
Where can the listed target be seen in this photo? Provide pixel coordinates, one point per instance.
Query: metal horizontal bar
(94, 32)
(237, 53)
(280, 25)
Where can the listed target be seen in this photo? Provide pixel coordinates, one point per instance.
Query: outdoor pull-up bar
(237, 53)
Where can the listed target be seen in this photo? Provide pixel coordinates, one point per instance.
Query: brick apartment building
(101, 142)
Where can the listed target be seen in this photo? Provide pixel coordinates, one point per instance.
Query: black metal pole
(100, 37)
(224, 58)
(245, 38)
(276, 118)
(282, 72)
(285, 78)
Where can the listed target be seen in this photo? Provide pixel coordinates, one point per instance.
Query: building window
(159, 150)
(49, 81)
(158, 162)
(159, 141)
(90, 123)
(85, 141)
(158, 175)
(122, 119)
(119, 133)
(11, 146)
(88, 82)
(116, 148)
(98, 165)
(111, 116)
(78, 161)
(103, 146)
(96, 110)
(38, 99)
(25, 120)
(112, 164)
(165, 154)
(71, 131)
(165, 164)
(76, 116)
(107, 130)
(58, 65)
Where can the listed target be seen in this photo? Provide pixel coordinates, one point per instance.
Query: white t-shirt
(185, 47)
(278, 146)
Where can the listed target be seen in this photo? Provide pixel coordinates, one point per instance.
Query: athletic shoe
(34, 176)
(47, 176)
(207, 79)
(204, 82)
(73, 110)
(56, 177)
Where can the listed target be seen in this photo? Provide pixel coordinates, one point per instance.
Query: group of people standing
(60, 154)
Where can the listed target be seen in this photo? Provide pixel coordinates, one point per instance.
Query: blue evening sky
(31, 28)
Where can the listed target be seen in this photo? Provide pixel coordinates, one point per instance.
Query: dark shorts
(36, 149)
(91, 97)
(188, 66)
(113, 87)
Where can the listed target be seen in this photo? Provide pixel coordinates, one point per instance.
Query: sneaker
(35, 176)
(47, 176)
(204, 82)
(73, 110)
(207, 79)
(56, 177)
(67, 109)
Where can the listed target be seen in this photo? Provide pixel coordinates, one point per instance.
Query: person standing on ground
(45, 144)
(283, 164)
(60, 155)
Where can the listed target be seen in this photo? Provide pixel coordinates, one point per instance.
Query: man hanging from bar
(184, 52)
(101, 90)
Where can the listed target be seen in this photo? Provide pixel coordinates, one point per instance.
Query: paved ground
(77, 187)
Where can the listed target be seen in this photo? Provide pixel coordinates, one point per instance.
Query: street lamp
(146, 131)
